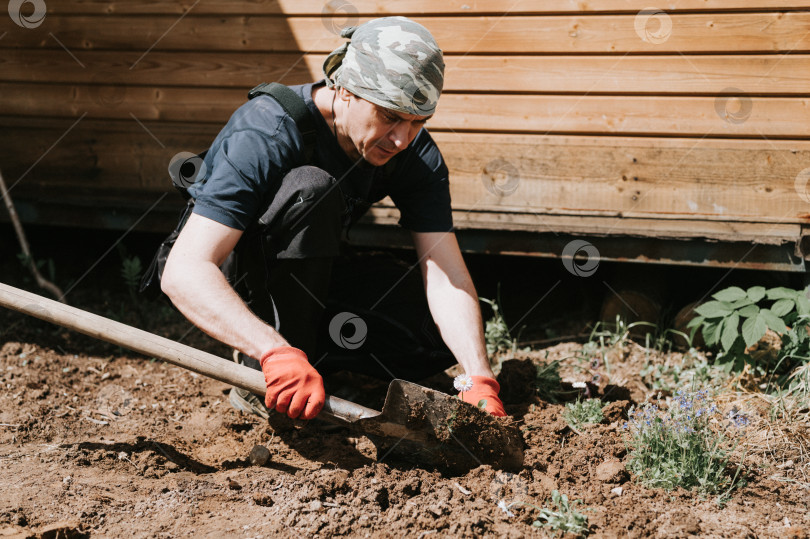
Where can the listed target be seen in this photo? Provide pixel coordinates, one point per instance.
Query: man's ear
(344, 94)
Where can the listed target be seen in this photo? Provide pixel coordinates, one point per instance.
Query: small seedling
(566, 519)
(581, 413)
(547, 381)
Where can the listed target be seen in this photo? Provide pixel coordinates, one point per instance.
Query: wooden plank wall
(592, 117)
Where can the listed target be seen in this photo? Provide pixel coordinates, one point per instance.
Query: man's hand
(294, 386)
(487, 389)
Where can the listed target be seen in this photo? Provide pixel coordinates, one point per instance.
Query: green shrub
(736, 319)
(677, 448)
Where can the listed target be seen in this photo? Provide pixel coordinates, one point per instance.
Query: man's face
(376, 133)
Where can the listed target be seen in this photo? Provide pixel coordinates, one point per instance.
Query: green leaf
(482, 404)
(695, 322)
(780, 293)
(748, 311)
(711, 332)
(782, 307)
(802, 304)
(740, 303)
(773, 321)
(733, 293)
(713, 309)
(756, 293)
(753, 329)
(730, 331)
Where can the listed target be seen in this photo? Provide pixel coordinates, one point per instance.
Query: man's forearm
(457, 314)
(208, 301)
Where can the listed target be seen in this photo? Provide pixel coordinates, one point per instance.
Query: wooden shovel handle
(159, 347)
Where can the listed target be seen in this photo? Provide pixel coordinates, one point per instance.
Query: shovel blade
(433, 428)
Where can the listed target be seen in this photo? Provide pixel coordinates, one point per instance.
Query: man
(270, 218)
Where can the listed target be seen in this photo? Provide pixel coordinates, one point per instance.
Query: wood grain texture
(695, 74)
(402, 7)
(605, 34)
(650, 115)
(511, 175)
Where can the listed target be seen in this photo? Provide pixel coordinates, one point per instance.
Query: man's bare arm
(193, 281)
(452, 299)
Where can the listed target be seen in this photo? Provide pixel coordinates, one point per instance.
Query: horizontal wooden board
(402, 7)
(609, 34)
(680, 74)
(514, 176)
(693, 116)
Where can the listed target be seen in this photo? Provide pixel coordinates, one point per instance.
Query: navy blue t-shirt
(261, 143)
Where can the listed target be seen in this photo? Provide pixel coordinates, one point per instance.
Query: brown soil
(97, 442)
(116, 445)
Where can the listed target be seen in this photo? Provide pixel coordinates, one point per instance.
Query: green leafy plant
(565, 519)
(736, 319)
(581, 413)
(496, 331)
(677, 448)
(548, 380)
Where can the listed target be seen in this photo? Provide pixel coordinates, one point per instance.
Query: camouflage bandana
(393, 62)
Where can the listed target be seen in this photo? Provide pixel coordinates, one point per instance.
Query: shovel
(422, 425)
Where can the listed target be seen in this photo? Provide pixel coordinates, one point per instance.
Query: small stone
(611, 471)
(67, 480)
(263, 500)
(617, 491)
(315, 505)
(259, 455)
(233, 485)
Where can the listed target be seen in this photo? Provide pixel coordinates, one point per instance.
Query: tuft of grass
(565, 519)
(581, 413)
(548, 380)
(677, 448)
(496, 331)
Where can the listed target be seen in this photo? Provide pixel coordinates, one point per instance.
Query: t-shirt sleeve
(421, 190)
(245, 170)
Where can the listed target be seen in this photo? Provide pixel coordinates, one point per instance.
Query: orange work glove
(294, 386)
(485, 388)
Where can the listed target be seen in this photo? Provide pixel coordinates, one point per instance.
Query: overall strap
(294, 105)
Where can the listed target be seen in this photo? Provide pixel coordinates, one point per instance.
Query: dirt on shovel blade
(446, 432)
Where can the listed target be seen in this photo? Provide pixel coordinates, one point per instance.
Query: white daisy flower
(462, 383)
